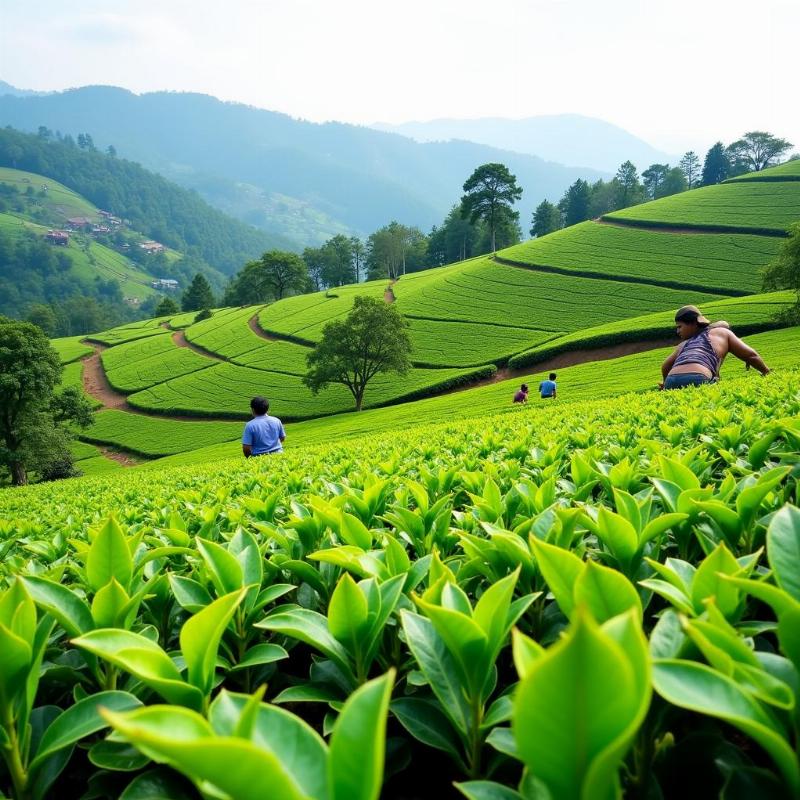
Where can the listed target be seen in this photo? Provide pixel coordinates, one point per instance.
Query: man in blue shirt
(547, 389)
(263, 434)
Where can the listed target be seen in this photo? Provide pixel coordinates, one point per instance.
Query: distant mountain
(161, 210)
(567, 138)
(7, 88)
(302, 179)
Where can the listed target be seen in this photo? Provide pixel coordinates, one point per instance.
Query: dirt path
(96, 385)
(125, 459)
(274, 337)
(180, 340)
(388, 295)
(569, 359)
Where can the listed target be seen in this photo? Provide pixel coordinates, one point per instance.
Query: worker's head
(689, 322)
(524, 387)
(259, 406)
(552, 376)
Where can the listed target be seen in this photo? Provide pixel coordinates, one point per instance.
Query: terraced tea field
(767, 207)
(723, 263)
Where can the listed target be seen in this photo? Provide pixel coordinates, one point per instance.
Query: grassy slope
(789, 171)
(724, 263)
(601, 379)
(69, 348)
(744, 205)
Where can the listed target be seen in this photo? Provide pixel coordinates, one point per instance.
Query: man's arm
(247, 450)
(746, 353)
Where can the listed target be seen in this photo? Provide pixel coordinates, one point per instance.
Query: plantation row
(745, 315)
(789, 171)
(224, 389)
(589, 381)
(757, 206)
(570, 604)
(724, 263)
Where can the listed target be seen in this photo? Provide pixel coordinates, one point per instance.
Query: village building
(76, 223)
(57, 237)
(164, 283)
(151, 247)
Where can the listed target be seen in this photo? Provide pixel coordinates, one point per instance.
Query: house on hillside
(150, 247)
(78, 223)
(100, 229)
(164, 283)
(57, 237)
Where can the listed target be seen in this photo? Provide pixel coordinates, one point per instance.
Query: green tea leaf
(109, 557)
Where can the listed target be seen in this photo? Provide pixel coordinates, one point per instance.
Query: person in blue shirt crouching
(547, 389)
(263, 435)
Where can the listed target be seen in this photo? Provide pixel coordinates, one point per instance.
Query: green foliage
(546, 219)
(607, 551)
(271, 277)
(784, 271)
(166, 307)
(372, 339)
(744, 206)
(758, 150)
(489, 194)
(198, 295)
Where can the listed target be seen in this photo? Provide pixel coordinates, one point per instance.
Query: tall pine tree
(198, 295)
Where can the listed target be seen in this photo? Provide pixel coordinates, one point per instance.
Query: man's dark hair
(552, 376)
(260, 405)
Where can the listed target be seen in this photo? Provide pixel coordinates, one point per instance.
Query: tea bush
(571, 604)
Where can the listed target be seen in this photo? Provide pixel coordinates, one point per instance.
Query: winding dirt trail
(388, 295)
(96, 385)
(570, 359)
(180, 340)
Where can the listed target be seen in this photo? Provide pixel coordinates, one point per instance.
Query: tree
(546, 219)
(784, 271)
(270, 278)
(454, 240)
(758, 150)
(43, 315)
(574, 205)
(111, 151)
(653, 177)
(630, 190)
(604, 196)
(394, 250)
(674, 183)
(490, 188)
(358, 254)
(314, 260)
(337, 261)
(30, 406)
(716, 165)
(197, 295)
(373, 338)
(690, 166)
(166, 307)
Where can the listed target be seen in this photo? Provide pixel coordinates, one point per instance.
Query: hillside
(155, 207)
(571, 301)
(282, 174)
(565, 138)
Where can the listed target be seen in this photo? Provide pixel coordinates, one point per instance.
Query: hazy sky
(679, 73)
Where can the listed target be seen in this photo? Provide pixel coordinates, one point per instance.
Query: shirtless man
(698, 358)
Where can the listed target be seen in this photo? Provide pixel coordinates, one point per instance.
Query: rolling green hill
(574, 292)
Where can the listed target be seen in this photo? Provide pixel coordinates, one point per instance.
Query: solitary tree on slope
(488, 190)
(373, 338)
(758, 149)
(198, 295)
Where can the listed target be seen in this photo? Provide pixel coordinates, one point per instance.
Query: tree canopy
(757, 150)
(33, 413)
(373, 338)
(488, 192)
(271, 277)
(783, 272)
(198, 295)
(716, 165)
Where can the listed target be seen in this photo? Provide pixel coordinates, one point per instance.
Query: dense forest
(174, 216)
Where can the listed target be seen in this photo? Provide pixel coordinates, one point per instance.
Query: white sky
(679, 73)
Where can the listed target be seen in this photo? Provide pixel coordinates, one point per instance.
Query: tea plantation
(445, 594)
(576, 601)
